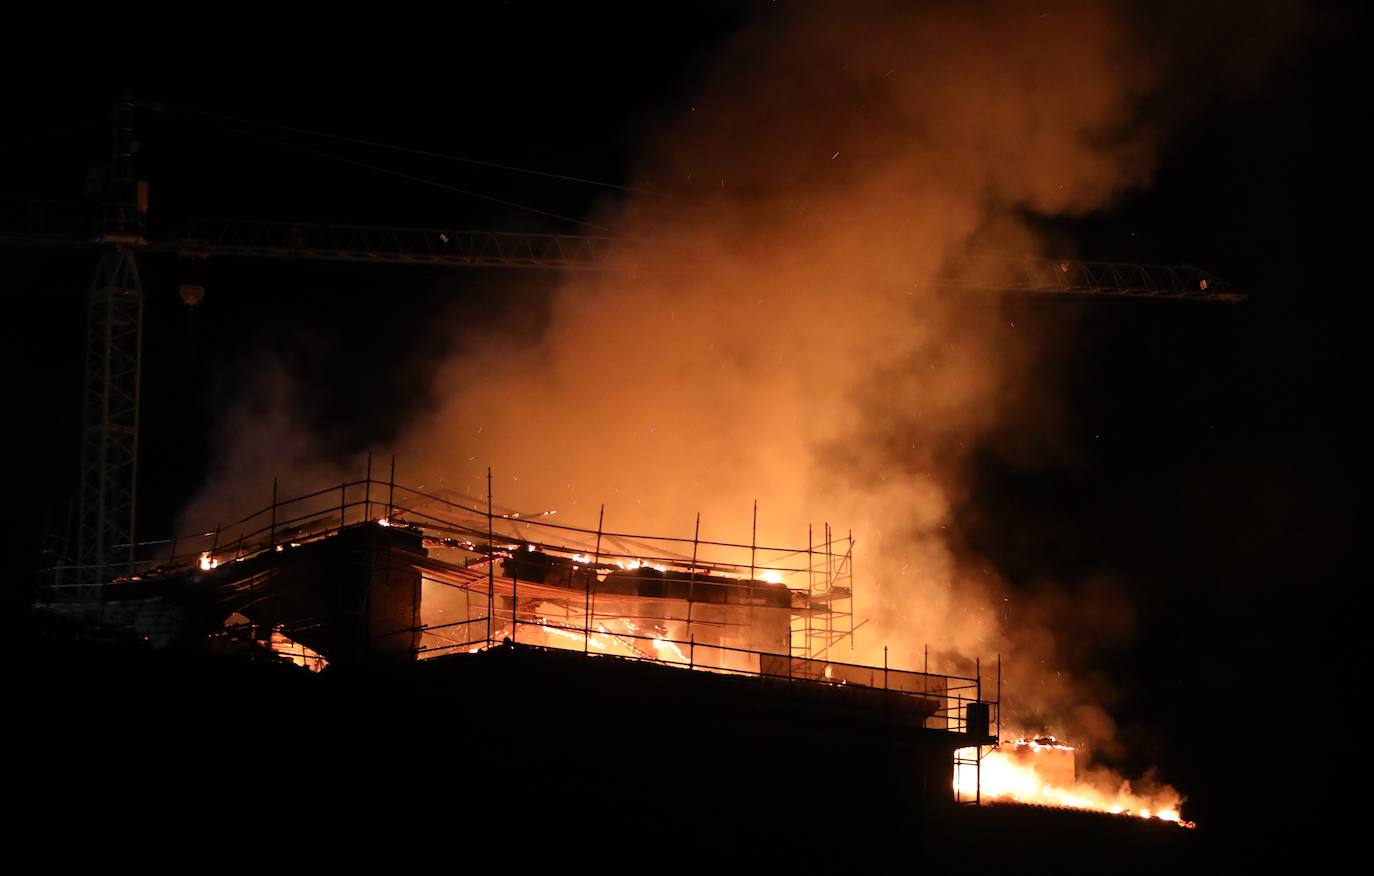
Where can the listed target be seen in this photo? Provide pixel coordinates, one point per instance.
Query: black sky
(1209, 452)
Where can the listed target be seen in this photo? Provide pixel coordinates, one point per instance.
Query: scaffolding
(489, 577)
(825, 618)
(470, 547)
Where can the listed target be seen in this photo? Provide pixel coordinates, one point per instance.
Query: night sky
(1206, 453)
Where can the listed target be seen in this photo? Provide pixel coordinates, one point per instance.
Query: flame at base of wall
(1042, 772)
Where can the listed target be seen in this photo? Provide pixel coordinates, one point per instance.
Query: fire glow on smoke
(1041, 771)
(807, 350)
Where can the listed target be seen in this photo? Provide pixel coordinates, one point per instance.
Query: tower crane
(114, 305)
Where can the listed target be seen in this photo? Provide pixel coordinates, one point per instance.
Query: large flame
(1040, 771)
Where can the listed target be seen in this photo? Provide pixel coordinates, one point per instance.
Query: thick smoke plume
(778, 334)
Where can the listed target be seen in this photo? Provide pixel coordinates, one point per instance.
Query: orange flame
(1040, 772)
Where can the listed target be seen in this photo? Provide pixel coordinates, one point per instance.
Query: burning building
(338, 578)
(746, 632)
(646, 608)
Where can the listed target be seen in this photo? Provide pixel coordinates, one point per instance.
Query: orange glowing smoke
(780, 331)
(1033, 771)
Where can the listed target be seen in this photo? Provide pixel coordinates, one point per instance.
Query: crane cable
(377, 144)
(376, 168)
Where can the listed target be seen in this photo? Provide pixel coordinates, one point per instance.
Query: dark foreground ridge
(126, 756)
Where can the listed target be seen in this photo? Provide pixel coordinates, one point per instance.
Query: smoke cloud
(777, 333)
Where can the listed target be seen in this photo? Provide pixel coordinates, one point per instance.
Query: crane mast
(114, 346)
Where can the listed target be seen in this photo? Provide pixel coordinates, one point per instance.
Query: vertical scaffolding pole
(491, 560)
(753, 540)
(810, 588)
(367, 489)
(977, 752)
(391, 490)
(591, 577)
(692, 584)
(999, 699)
(850, 557)
(829, 589)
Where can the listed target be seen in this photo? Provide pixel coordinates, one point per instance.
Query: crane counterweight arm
(227, 237)
(206, 238)
(1073, 277)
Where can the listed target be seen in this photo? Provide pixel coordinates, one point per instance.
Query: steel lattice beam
(1071, 277)
(205, 238)
(109, 446)
(114, 353)
(351, 243)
